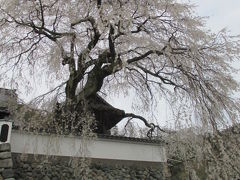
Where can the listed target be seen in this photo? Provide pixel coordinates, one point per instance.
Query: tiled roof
(154, 140)
(134, 139)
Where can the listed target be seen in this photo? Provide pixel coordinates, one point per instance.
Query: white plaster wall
(97, 148)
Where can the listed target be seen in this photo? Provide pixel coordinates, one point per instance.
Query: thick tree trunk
(106, 115)
(70, 115)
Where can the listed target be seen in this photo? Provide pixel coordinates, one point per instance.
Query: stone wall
(28, 166)
(31, 167)
(6, 164)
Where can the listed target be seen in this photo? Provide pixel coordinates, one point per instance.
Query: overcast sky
(221, 13)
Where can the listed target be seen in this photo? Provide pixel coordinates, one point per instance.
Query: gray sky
(221, 13)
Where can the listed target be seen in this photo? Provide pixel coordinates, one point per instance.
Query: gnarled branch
(152, 126)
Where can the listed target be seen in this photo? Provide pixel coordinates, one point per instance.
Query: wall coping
(103, 137)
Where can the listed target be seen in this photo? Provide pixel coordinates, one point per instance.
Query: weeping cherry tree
(158, 49)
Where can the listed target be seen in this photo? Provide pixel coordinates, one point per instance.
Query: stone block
(8, 173)
(6, 163)
(5, 147)
(1, 170)
(46, 178)
(5, 155)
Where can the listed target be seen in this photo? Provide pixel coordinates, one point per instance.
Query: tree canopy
(158, 48)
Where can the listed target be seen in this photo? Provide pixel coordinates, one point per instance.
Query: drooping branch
(146, 54)
(163, 79)
(139, 27)
(152, 127)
